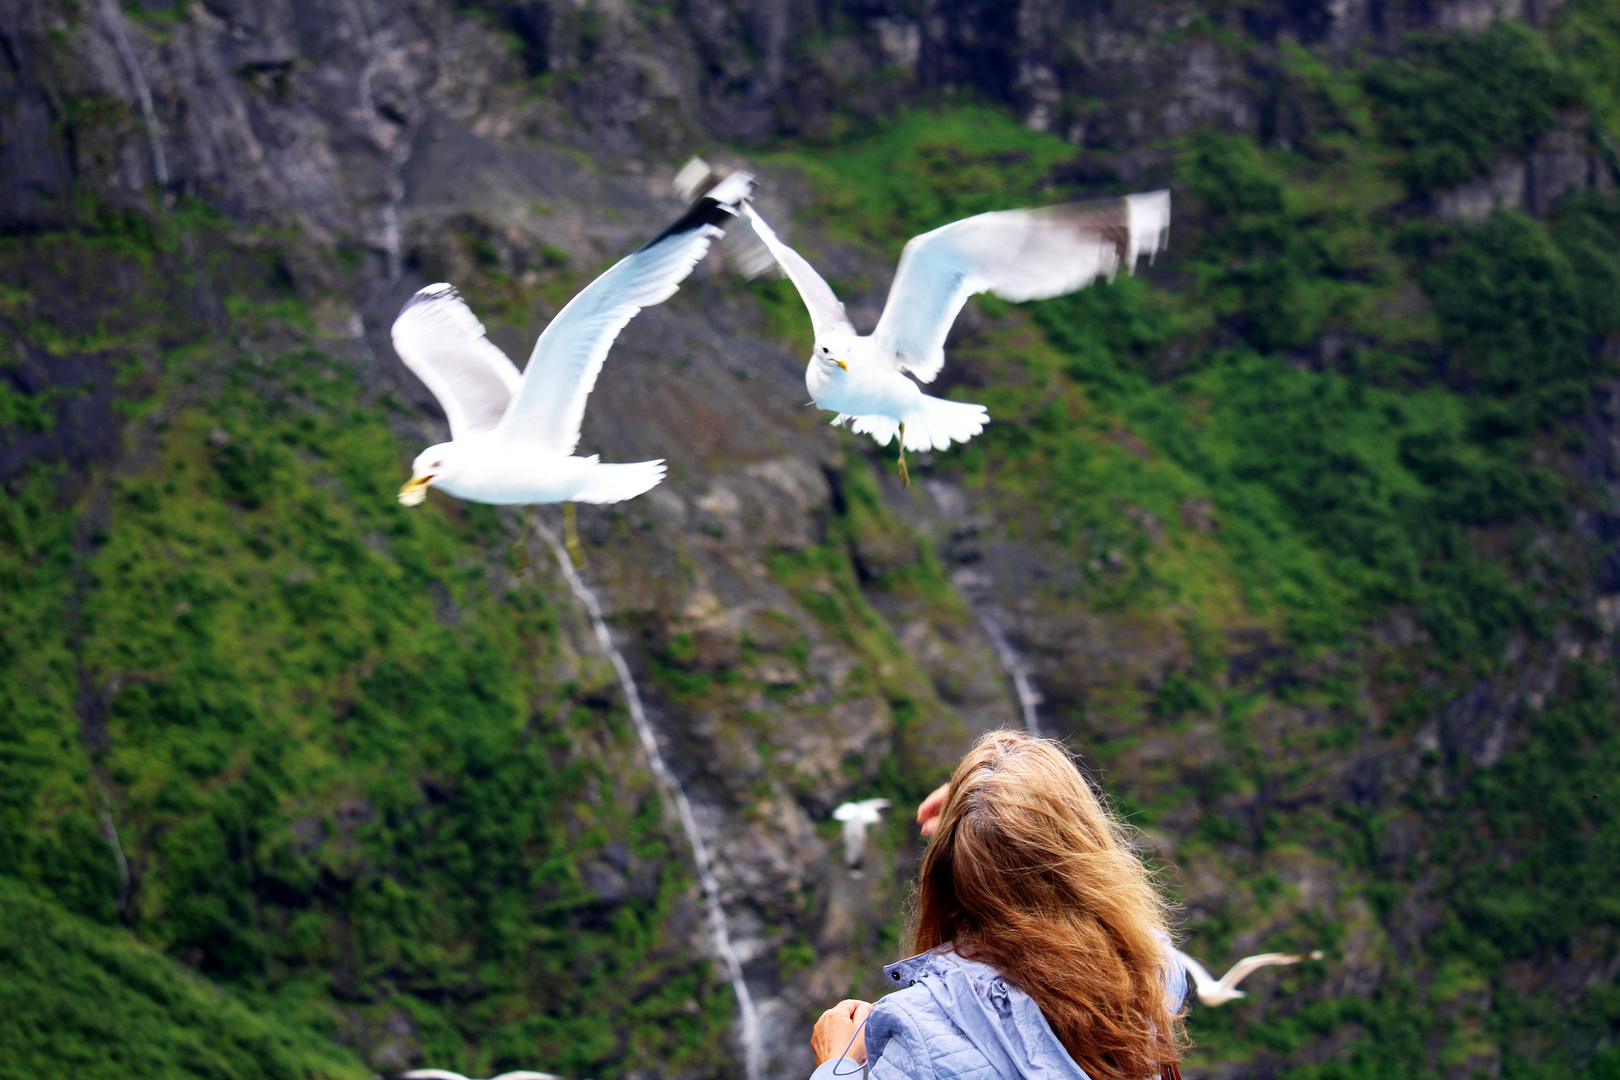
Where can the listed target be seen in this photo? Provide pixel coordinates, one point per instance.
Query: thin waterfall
(676, 795)
(368, 107)
(109, 829)
(390, 236)
(114, 20)
(1013, 664)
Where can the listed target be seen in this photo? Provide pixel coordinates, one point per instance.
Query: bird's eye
(438, 464)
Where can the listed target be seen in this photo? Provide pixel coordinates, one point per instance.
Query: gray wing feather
(443, 342)
(1015, 254)
(568, 357)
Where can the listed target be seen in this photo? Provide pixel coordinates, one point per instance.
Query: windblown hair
(1029, 872)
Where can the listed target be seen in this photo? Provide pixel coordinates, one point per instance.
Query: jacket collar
(903, 973)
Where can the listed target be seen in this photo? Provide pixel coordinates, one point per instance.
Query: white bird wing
(525, 1074)
(1201, 977)
(442, 341)
(431, 1074)
(562, 371)
(826, 311)
(1016, 254)
(1244, 967)
(846, 811)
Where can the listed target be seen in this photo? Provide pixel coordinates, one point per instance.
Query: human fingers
(857, 1050)
(928, 811)
(832, 1033)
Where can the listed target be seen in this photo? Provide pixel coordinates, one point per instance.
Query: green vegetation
(349, 782)
(81, 998)
(1329, 408)
(1453, 104)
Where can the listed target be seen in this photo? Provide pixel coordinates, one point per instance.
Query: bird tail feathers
(881, 428)
(615, 483)
(936, 423)
(933, 425)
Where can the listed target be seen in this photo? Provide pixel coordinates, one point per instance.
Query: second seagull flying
(1015, 254)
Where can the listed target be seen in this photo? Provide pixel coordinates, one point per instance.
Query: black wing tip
(429, 294)
(706, 213)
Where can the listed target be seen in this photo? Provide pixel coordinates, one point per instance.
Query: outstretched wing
(1016, 254)
(826, 312)
(443, 342)
(1244, 967)
(431, 1074)
(568, 357)
(1201, 977)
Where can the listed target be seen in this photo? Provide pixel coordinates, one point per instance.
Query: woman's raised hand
(928, 812)
(841, 1032)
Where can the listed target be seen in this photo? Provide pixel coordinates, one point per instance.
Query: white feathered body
(865, 387)
(857, 817)
(485, 467)
(875, 399)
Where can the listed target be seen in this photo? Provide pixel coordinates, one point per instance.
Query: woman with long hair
(1043, 948)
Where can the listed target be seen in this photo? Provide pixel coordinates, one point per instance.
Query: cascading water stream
(368, 108)
(114, 20)
(1013, 665)
(676, 795)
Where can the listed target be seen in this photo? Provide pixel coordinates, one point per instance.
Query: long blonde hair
(1029, 873)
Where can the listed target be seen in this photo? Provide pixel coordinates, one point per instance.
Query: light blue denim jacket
(957, 1019)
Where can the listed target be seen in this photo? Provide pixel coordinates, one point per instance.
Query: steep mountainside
(1305, 536)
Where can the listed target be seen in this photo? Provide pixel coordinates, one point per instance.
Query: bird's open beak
(414, 492)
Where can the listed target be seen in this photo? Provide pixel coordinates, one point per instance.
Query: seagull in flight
(857, 818)
(1014, 254)
(446, 1074)
(512, 436)
(1211, 992)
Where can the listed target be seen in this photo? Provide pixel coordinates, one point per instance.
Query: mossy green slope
(351, 760)
(85, 1000)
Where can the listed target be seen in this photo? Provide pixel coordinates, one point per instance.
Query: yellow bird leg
(520, 549)
(905, 476)
(571, 536)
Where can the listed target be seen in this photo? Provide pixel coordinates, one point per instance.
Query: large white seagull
(512, 436)
(1014, 254)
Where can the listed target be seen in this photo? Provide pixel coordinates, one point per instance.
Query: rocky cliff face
(802, 629)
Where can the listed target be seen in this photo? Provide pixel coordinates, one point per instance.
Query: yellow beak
(841, 364)
(414, 492)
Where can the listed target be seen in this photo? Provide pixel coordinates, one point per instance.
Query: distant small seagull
(857, 818)
(1015, 254)
(512, 436)
(1211, 992)
(446, 1074)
